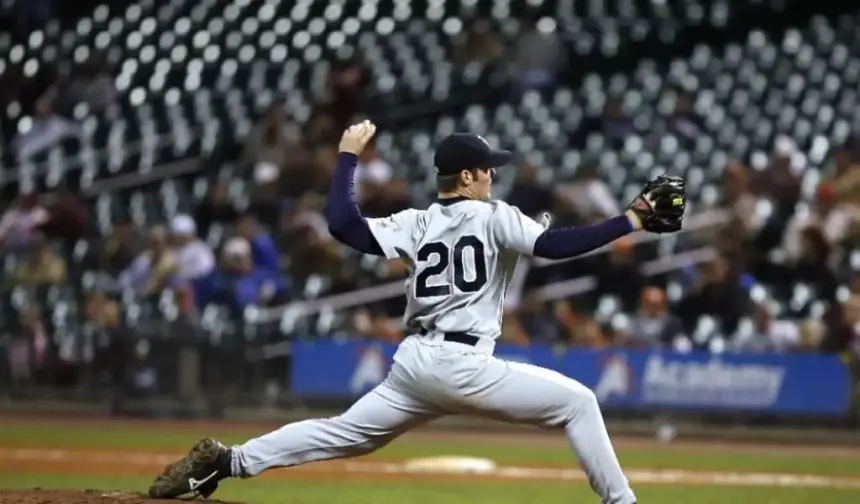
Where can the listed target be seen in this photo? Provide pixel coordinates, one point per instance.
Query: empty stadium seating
(194, 74)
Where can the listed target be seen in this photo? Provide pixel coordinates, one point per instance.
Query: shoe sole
(173, 481)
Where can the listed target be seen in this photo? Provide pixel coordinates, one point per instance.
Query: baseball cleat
(197, 473)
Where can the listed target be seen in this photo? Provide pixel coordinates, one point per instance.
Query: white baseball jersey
(462, 255)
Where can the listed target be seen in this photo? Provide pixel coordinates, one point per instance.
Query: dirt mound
(42, 496)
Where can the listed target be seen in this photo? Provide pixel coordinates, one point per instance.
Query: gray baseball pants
(431, 378)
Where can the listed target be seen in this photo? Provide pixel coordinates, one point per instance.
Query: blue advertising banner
(805, 384)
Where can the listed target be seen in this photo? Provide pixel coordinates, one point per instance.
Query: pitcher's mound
(42, 496)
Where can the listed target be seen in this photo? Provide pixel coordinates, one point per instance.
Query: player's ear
(466, 176)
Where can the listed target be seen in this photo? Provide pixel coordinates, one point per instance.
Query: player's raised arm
(659, 208)
(345, 221)
(388, 236)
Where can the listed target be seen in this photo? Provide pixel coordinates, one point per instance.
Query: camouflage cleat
(197, 473)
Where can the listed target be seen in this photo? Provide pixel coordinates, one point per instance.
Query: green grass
(179, 439)
(299, 492)
(650, 459)
(110, 436)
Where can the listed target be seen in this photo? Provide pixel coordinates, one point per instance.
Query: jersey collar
(451, 201)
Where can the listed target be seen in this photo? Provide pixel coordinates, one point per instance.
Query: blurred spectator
(119, 249)
(310, 172)
(68, 219)
(307, 217)
(347, 277)
(21, 90)
(215, 207)
(43, 267)
(812, 334)
(765, 334)
(843, 324)
(325, 160)
(619, 274)
(538, 54)
(345, 90)
(314, 254)
(20, 222)
(238, 283)
(141, 377)
(739, 201)
(577, 328)
(840, 320)
(90, 83)
(368, 324)
(684, 121)
(30, 349)
(194, 258)
(478, 44)
(102, 345)
(615, 124)
(814, 266)
(185, 298)
(361, 322)
(393, 199)
(273, 140)
(47, 130)
(654, 326)
(736, 254)
(715, 292)
(844, 256)
(301, 173)
(264, 252)
(838, 164)
(537, 320)
(513, 331)
(528, 194)
(388, 328)
(778, 181)
(267, 203)
(834, 219)
(153, 270)
(101, 312)
(588, 196)
(844, 174)
(321, 128)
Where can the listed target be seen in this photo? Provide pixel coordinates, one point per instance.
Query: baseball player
(462, 252)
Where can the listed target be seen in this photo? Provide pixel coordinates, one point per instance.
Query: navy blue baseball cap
(466, 151)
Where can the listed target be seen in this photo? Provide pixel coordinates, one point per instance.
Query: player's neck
(458, 194)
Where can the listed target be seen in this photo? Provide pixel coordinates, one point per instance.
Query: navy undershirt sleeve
(568, 242)
(345, 222)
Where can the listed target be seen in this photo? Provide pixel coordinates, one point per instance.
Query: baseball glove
(660, 206)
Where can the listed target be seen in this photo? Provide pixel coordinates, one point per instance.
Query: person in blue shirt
(239, 283)
(263, 249)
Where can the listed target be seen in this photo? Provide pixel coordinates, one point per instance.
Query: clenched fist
(356, 137)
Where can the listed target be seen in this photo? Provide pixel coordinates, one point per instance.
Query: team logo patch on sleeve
(388, 223)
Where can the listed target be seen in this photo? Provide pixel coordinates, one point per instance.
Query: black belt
(457, 337)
